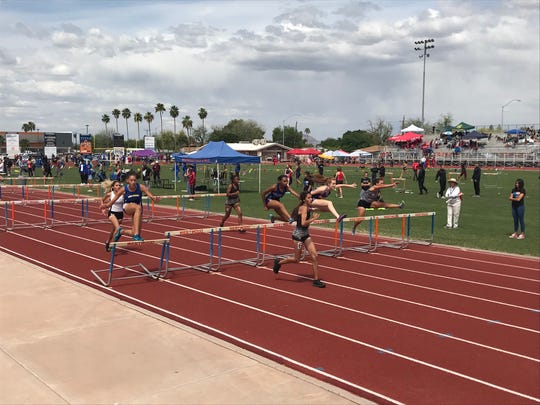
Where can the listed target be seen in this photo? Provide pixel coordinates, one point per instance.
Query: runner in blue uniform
(132, 193)
(272, 195)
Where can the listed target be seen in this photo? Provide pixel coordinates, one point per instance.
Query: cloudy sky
(327, 65)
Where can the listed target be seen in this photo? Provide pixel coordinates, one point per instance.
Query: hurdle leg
(111, 266)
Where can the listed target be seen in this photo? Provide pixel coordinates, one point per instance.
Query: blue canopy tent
(217, 152)
(515, 131)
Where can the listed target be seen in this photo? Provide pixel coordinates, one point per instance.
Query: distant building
(259, 147)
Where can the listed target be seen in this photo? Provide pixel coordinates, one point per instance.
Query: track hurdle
(212, 265)
(373, 237)
(216, 260)
(35, 218)
(28, 180)
(405, 237)
(180, 211)
(403, 181)
(139, 269)
(32, 216)
(492, 176)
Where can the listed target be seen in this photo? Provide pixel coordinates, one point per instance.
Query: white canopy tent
(412, 128)
(360, 153)
(337, 153)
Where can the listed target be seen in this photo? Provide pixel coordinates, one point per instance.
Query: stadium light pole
(423, 47)
(502, 111)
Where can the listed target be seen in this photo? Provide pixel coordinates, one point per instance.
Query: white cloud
(337, 64)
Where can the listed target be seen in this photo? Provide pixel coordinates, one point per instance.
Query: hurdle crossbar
(139, 269)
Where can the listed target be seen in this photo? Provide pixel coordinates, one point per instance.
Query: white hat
(452, 180)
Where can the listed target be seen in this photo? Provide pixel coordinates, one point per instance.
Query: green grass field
(485, 222)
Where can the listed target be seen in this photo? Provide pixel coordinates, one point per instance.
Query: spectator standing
(289, 173)
(382, 171)
(365, 179)
(308, 182)
(156, 173)
(340, 179)
(441, 177)
(146, 172)
(374, 174)
(320, 166)
(517, 196)
(83, 171)
(191, 180)
(463, 172)
(421, 178)
(415, 167)
(30, 166)
(477, 172)
(453, 197)
(298, 172)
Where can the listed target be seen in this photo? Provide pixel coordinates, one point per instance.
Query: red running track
(422, 325)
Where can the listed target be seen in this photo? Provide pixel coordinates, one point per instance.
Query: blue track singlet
(134, 197)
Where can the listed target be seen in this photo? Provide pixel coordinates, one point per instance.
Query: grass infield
(485, 222)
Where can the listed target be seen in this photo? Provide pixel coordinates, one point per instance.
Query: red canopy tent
(304, 151)
(406, 137)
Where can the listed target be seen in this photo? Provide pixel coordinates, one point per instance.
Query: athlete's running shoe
(318, 283)
(277, 266)
(341, 217)
(137, 238)
(107, 247)
(118, 234)
(272, 218)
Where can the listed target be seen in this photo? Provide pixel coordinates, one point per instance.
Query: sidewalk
(65, 343)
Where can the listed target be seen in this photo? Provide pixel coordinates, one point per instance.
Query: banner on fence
(49, 139)
(149, 142)
(12, 145)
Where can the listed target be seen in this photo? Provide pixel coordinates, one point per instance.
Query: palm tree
(174, 112)
(160, 108)
(126, 114)
(116, 114)
(187, 124)
(137, 117)
(307, 131)
(148, 117)
(202, 115)
(28, 126)
(106, 119)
